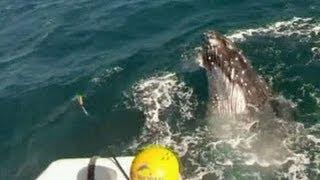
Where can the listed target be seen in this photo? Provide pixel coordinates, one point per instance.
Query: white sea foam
(310, 90)
(304, 27)
(158, 95)
(297, 169)
(198, 58)
(314, 139)
(106, 74)
(316, 53)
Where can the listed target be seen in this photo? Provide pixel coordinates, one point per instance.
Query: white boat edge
(77, 169)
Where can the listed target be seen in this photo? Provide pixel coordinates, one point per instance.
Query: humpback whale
(242, 100)
(246, 106)
(238, 92)
(234, 86)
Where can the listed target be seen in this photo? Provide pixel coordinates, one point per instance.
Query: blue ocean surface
(136, 64)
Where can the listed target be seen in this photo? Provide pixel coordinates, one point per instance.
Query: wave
(106, 74)
(297, 26)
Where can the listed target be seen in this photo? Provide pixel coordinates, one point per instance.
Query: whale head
(234, 83)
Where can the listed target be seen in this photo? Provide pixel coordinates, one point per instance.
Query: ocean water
(135, 61)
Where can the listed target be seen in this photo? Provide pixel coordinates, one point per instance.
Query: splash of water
(156, 97)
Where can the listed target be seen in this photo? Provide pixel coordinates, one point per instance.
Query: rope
(120, 167)
(91, 167)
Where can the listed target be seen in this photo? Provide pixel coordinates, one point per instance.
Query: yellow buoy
(155, 162)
